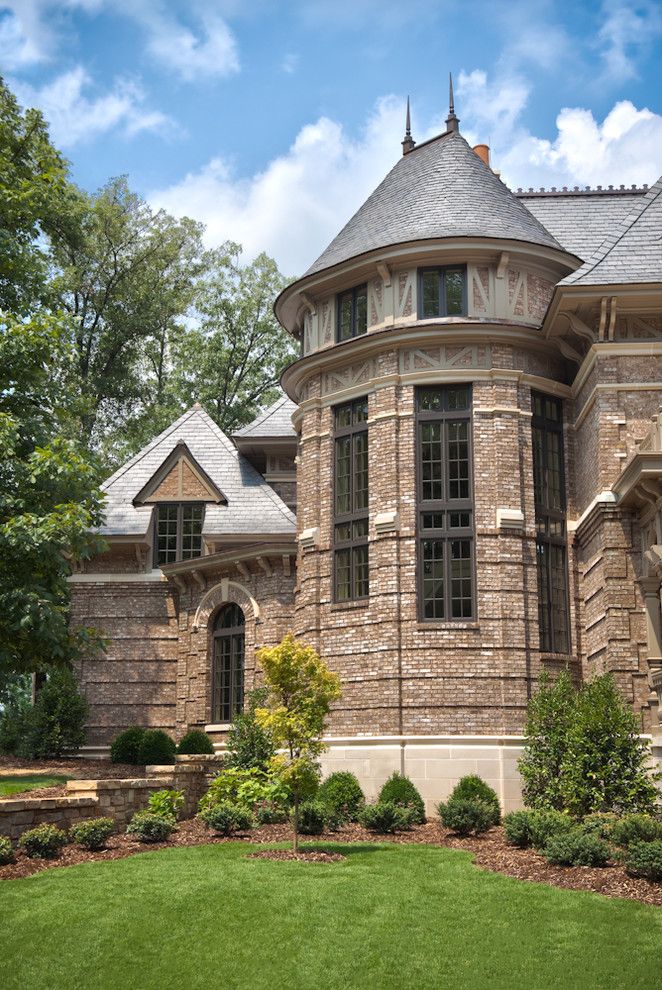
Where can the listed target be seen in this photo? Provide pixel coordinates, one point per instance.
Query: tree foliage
(548, 720)
(301, 691)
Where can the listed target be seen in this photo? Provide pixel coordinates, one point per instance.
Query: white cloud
(75, 117)
(627, 28)
(30, 29)
(290, 63)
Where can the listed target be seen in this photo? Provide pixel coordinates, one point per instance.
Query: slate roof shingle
(253, 507)
(440, 189)
(276, 421)
(581, 222)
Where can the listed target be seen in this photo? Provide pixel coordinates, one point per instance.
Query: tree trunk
(296, 823)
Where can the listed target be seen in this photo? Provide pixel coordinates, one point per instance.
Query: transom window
(350, 521)
(550, 506)
(228, 664)
(352, 313)
(442, 292)
(178, 532)
(445, 503)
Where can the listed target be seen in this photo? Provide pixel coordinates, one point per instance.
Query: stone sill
(218, 727)
(348, 606)
(47, 804)
(452, 624)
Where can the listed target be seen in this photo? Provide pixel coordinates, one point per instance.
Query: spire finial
(452, 122)
(408, 144)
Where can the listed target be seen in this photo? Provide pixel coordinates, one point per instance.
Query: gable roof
(632, 252)
(180, 470)
(252, 506)
(440, 189)
(276, 421)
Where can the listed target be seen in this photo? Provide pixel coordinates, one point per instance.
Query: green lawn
(14, 785)
(389, 917)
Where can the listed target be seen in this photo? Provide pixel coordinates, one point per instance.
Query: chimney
(483, 152)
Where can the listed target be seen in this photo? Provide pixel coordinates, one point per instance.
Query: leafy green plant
(342, 793)
(246, 787)
(15, 711)
(165, 803)
(466, 816)
(156, 748)
(249, 745)
(644, 859)
(576, 848)
(549, 714)
(195, 742)
(635, 828)
(227, 818)
(399, 790)
(517, 827)
(473, 788)
(42, 842)
(314, 817)
(600, 824)
(6, 851)
(92, 833)
(385, 817)
(125, 747)
(56, 721)
(546, 825)
(148, 827)
(270, 814)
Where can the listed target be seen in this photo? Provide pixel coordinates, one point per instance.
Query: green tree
(49, 500)
(548, 721)
(301, 690)
(249, 746)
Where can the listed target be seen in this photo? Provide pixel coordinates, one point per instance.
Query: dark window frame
(440, 511)
(440, 270)
(234, 636)
(179, 535)
(355, 518)
(551, 529)
(354, 292)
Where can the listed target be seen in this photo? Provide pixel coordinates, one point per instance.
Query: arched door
(228, 664)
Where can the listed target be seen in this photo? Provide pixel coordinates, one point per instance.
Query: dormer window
(352, 313)
(177, 532)
(442, 292)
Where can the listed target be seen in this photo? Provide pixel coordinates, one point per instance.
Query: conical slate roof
(253, 507)
(633, 252)
(440, 189)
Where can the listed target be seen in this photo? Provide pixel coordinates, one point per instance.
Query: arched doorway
(227, 664)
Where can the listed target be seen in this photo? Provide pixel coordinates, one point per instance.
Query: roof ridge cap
(586, 191)
(144, 451)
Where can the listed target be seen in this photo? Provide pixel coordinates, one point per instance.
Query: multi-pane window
(178, 532)
(442, 292)
(228, 664)
(352, 313)
(445, 503)
(549, 494)
(350, 522)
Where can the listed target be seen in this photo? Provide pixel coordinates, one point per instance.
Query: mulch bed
(319, 856)
(12, 766)
(490, 851)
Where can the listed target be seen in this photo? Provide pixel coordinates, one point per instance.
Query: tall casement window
(445, 504)
(352, 313)
(350, 522)
(549, 494)
(442, 291)
(177, 532)
(228, 664)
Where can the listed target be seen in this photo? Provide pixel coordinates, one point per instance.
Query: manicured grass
(390, 917)
(14, 785)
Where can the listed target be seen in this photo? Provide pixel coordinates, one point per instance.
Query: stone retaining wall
(20, 814)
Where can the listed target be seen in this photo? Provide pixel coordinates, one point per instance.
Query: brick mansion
(460, 488)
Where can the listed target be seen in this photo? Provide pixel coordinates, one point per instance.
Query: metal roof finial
(452, 122)
(408, 144)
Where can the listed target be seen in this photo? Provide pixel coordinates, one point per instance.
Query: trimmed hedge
(148, 827)
(342, 793)
(635, 828)
(227, 818)
(576, 848)
(126, 746)
(466, 816)
(473, 788)
(546, 825)
(518, 828)
(644, 859)
(156, 748)
(385, 817)
(196, 742)
(92, 833)
(42, 842)
(400, 791)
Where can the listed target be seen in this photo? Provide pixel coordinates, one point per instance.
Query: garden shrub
(517, 826)
(156, 747)
(227, 818)
(400, 791)
(385, 817)
(576, 848)
(148, 827)
(249, 745)
(635, 828)
(195, 742)
(644, 859)
(314, 817)
(270, 814)
(342, 793)
(247, 787)
(546, 825)
(466, 816)
(549, 714)
(473, 788)
(56, 721)
(600, 824)
(15, 712)
(125, 748)
(167, 804)
(6, 851)
(92, 833)
(43, 841)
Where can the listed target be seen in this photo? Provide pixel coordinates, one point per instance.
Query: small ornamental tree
(249, 744)
(548, 721)
(301, 690)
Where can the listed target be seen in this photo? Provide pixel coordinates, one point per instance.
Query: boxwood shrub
(466, 816)
(270, 814)
(92, 833)
(227, 818)
(547, 824)
(43, 842)
(342, 793)
(6, 851)
(125, 747)
(314, 817)
(194, 742)
(156, 747)
(635, 828)
(385, 817)
(600, 823)
(576, 848)
(517, 826)
(400, 791)
(644, 859)
(473, 788)
(148, 827)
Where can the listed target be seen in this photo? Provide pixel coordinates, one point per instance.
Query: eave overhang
(226, 558)
(640, 482)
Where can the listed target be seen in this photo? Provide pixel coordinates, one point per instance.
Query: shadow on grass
(344, 848)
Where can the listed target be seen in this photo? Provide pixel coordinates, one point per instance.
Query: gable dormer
(180, 479)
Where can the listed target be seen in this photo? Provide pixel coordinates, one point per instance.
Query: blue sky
(271, 121)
